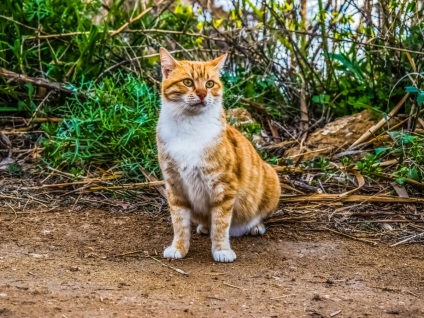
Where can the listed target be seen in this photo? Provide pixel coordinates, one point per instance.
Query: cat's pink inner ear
(219, 62)
(168, 63)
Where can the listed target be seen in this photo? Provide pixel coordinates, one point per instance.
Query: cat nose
(201, 92)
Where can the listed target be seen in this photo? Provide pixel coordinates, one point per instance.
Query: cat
(214, 177)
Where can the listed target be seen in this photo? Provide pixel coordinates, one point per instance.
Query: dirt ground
(97, 264)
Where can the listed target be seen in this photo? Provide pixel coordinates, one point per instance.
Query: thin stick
(129, 253)
(124, 186)
(288, 187)
(36, 81)
(351, 237)
(170, 267)
(384, 221)
(216, 298)
(233, 286)
(361, 183)
(309, 152)
(335, 313)
(134, 19)
(27, 121)
(63, 35)
(370, 132)
(283, 296)
(324, 197)
(130, 185)
(407, 239)
(39, 105)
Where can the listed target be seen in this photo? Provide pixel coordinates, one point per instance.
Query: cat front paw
(224, 256)
(172, 252)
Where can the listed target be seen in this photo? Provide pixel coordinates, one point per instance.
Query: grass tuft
(114, 127)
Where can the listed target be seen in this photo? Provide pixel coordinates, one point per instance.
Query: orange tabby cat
(214, 177)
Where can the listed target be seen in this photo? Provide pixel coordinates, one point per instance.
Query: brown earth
(334, 136)
(70, 264)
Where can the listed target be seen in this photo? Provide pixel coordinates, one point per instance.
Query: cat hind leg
(202, 229)
(255, 228)
(258, 229)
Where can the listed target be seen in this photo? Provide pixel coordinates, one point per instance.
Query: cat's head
(191, 87)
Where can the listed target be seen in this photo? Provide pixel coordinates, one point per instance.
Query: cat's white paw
(258, 230)
(172, 252)
(224, 256)
(201, 229)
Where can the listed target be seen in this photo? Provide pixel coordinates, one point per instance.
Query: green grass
(115, 126)
(343, 66)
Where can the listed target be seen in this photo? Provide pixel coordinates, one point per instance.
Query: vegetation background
(79, 79)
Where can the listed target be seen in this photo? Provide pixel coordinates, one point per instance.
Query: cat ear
(168, 63)
(219, 62)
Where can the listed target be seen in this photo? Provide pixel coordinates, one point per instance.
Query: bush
(113, 127)
(338, 58)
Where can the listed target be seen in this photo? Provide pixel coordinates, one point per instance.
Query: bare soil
(97, 264)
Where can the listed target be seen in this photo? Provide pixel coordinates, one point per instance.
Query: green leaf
(412, 89)
(30, 88)
(420, 98)
(258, 11)
(413, 174)
(400, 180)
(380, 150)
(321, 99)
(342, 59)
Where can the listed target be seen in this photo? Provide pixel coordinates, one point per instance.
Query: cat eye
(210, 84)
(188, 82)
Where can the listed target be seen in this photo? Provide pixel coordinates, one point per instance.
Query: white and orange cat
(214, 177)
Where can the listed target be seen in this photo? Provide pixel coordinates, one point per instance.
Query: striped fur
(214, 176)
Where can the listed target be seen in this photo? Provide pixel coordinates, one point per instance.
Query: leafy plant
(283, 55)
(114, 126)
(369, 165)
(410, 150)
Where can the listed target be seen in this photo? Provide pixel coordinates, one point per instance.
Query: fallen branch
(407, 239)
(130, 185)
(28, 121)
(171, 267)
(351, 237)
(368, 134)
(151, 178)
(324, 197)
(386, 221)
(42, 82)
(233, 286)
(131, 21)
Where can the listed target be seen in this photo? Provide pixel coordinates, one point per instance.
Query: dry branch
(368, 134)
(28, 121)
(131, 21)
(349, 198)
(408, 239)
(351, 237)
(42, 82)
(129, 186)
(178, 270)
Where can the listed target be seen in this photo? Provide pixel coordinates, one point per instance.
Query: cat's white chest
(186, 142)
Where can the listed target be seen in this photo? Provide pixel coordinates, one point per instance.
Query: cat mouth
(199, 104)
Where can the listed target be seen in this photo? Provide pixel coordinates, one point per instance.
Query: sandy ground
(98, 264)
